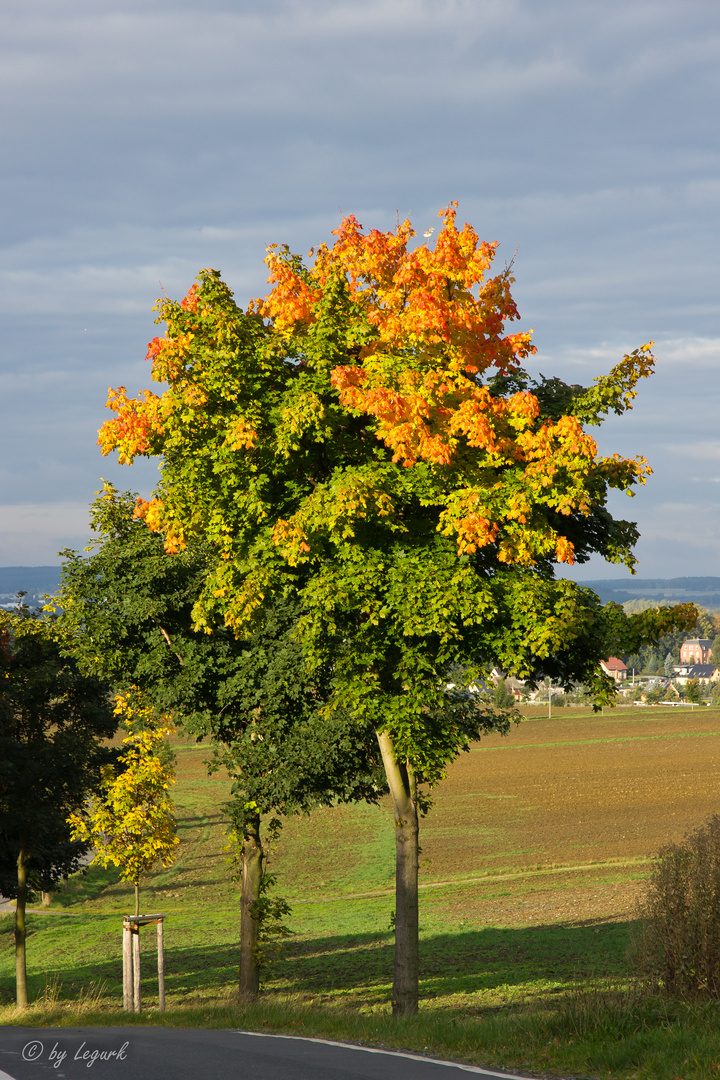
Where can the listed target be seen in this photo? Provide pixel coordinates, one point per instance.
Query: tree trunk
(21, 993)
(253, 858)
(403, 791)
(137, 897)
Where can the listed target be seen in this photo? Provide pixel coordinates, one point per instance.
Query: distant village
(691, 678)
(676, 672)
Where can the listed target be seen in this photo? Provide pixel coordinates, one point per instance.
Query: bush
(678, 948)
(655, 695)
(503, 697)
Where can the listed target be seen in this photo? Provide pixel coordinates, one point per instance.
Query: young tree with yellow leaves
(131, 824)
(367, 441)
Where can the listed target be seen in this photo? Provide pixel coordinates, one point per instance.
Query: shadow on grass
(466, 962)
(358, 968)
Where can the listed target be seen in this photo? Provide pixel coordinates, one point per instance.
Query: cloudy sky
(145, 139)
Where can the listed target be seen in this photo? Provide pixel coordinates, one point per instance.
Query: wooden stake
(136, 969)
(161, 966)
(127, 968)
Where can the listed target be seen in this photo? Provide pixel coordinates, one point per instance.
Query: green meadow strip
(593, 742)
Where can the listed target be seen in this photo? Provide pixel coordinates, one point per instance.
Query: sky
(145, 140)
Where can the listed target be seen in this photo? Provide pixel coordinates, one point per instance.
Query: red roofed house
(615, 668)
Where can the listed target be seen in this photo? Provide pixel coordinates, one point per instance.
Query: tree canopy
(131, 823)
(366, 441)
(54, 720)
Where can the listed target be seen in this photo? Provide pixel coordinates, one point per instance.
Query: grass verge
(599, 1032)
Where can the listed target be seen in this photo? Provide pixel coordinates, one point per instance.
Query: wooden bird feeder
(131, 960)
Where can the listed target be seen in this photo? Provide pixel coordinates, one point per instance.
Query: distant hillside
(34, 580)
(703, 591)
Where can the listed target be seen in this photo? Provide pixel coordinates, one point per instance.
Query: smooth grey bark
(21, 991)
(137, 897)
(253, 858)
(403, 792)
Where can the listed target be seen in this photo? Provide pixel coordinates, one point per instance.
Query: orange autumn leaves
(419, 328)
(433, 304)
(137, 421)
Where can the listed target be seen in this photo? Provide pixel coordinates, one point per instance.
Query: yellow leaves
(132, 825)
(305, 413)
(551, 469)
(168, 356)
(245, 602)
(154, 514)
(241, 435)
(634, 366)
(291, 537)
(619, 472)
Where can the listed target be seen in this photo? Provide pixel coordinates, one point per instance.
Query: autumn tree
(54, 721)
(131, 823)
(367, 441)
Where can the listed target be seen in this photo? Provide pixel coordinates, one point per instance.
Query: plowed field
(557, 821)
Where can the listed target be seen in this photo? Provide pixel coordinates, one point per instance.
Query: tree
(131, 823)
(53, 722)
(126, 612)
(693, 691)
(366, 441)
(715, 653)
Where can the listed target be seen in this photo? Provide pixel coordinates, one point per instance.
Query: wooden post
(161, 966)
(127, 967)
(137, 1004)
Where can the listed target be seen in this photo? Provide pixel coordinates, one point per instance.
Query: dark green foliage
(679, 945)
(53, 720)
(655, 659)
(127, 614)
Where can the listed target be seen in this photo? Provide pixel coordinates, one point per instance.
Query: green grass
(523, 938)
(595, 1032)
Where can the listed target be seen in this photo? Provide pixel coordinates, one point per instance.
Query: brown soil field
(555, 822)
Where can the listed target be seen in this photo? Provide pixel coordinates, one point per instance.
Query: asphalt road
(146, 1053)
